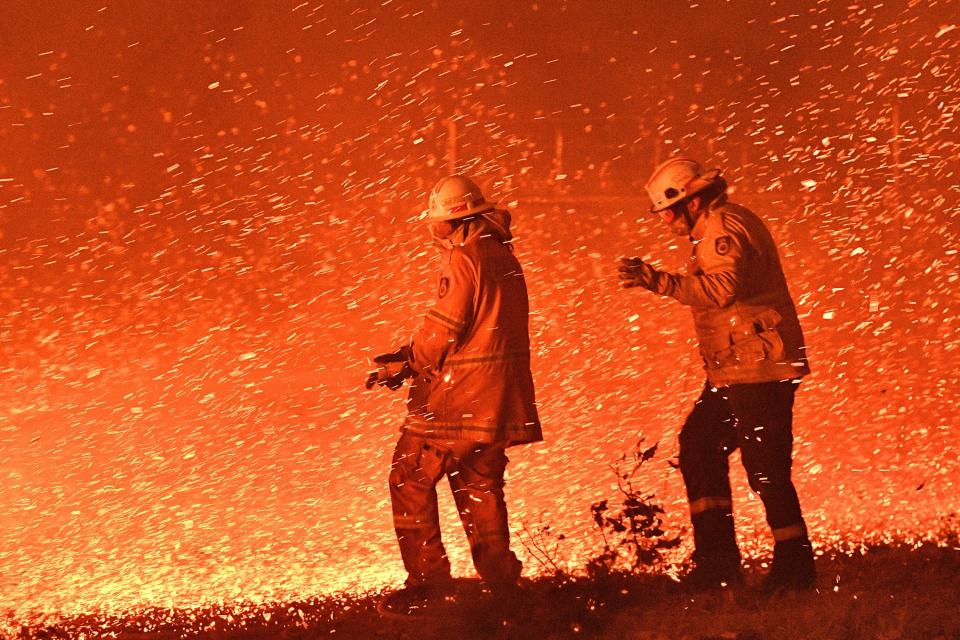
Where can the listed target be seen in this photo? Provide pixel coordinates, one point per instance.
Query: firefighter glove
(392, 369)
(634, 272)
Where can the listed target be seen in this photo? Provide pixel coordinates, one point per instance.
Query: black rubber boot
(793, 567)
(418, 599)
(716, 555)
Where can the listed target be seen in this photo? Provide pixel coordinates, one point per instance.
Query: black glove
(393, 369)
(634, 272)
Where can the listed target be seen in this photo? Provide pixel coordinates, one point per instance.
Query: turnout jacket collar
(496, 224)
(700, 226)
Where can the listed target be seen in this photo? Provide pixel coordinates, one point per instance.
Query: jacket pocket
(717, 351)
(773, 345)
(749, 350)
(759, 339)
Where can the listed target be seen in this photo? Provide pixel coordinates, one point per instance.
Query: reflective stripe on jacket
(746, 322)
(472, 353)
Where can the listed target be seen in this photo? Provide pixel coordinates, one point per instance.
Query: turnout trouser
(475, 472)
(758, 419)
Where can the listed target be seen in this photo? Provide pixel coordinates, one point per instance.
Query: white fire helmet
(676, 179)
(456, 197)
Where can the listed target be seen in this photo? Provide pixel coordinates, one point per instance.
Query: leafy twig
(534, 542)
(635, 530)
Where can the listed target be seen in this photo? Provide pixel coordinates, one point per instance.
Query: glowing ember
(209, 224)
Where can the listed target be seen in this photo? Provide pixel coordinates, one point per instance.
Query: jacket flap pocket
(768, 319)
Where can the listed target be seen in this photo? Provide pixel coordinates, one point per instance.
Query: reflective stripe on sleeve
(486, 357)
(788, 533)
(709, 503)
(450, 323)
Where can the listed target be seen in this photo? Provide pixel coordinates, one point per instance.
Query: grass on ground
(886, 593)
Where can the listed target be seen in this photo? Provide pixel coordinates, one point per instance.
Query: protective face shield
(456, 197)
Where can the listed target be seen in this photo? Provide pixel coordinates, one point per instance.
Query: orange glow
(209, 222)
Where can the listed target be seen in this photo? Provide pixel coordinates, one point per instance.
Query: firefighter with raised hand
(754, 355)
(471, 397)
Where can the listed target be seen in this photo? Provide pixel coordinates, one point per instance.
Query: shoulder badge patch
(444, 286)
(722, 245)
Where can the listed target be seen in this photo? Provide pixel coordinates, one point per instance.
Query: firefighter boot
(419, 599)
(793, 568)
(716, 554)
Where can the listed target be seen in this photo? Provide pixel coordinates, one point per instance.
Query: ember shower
(209, 224)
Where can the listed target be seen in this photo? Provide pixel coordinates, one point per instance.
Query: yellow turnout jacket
(472, 353)
(746, 321)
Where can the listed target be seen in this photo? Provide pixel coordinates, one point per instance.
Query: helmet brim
(693, 187)
(485, 207)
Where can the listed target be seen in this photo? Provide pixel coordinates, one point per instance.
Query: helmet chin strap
(687, 218)
(690, 217)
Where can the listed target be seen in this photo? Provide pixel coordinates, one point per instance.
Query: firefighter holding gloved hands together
(754, 356)
(470, 398)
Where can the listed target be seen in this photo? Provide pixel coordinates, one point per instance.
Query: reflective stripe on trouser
(794, 531)
(708, 503)
(475, 472)
(757, 418)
